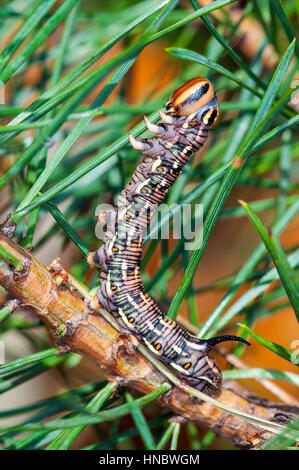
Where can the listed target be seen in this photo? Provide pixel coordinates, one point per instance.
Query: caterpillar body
(190, 113)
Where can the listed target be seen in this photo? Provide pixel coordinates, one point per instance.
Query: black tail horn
(220, 339)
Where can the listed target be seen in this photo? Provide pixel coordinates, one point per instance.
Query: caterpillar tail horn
(220, 339)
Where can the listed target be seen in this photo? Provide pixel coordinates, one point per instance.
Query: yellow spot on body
(179, 368)
(140, 186)
(187, 365)
(151, 347)
(124, 318)
(186, 123)
(158, 347)
(193, 123)
(131, 320)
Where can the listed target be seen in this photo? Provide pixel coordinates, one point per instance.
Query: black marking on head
(202, 90)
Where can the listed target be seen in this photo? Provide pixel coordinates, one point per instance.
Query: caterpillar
(190, 113)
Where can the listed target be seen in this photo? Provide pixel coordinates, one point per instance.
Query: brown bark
(48, 293)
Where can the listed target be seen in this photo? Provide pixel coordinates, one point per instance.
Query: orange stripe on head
(191, 96)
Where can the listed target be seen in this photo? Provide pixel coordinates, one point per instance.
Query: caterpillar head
(206, 375)
(196, 99)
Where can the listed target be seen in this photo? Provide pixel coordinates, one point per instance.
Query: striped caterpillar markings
(190, 113)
